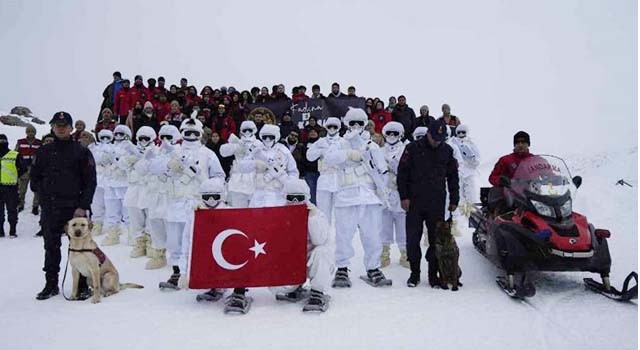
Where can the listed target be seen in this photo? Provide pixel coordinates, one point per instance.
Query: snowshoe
(318, 302)
(211, 295)
(295, 296)
(375, 278)
(237, 303)
(341, 279)
(522, 291)
(625, 294)
(171, 283)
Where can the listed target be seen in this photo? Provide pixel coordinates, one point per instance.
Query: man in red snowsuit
(507, 165)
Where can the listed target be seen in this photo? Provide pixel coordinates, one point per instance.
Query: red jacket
(28, 150)
(380, 118)
(300, 97)
(100, 126)
(125, 100)
(506, 166)
(224, 127)
(162, 109)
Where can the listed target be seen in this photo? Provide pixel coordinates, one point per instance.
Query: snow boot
(295, 296)
(172, 282)
(404, 262)
(50, 289)
(375, 278)
(113, 236)
(97, 228)
(139, 248)
(414, 280)
(12, 231)
(147, 243)
(211, 295)
(341, 279)
(237, 302)
(318, 302)
(158, 259)
(84, 292)
(385, 258)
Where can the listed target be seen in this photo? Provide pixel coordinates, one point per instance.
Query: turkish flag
(249, 247)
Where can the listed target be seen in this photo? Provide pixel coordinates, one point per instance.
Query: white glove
(261, 166)
(130, 161)
(233, 139)
(175, 164)
(354, 155)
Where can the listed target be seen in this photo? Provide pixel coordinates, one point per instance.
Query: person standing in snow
(64, 176)
(12, 167)
(27, 148)
(426, 167)
(404, 115)
(468, 161)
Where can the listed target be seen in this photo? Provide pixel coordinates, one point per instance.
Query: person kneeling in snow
(320, 257)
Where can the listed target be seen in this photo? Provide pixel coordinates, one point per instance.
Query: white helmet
(333, 121)
(395, 130)
(171, 131)
(122, 132)
(191, 130)
(465, 131)
(105, 136)
(212, 191)
(419, 132)
(269, 135)
(357, 117)
(248, 128)
(145, 136)
(297, 191)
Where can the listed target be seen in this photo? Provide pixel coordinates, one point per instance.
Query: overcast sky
(564, 70)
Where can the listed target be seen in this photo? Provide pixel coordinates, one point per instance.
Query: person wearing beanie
(110, 92)
(507, 165)
(12, 167)
(147, 117)
(27, 148)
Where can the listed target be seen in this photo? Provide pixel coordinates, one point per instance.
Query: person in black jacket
(404, 115)
(64, 176)
(426, 165)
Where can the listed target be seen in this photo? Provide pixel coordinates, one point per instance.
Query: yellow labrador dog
(88, 260)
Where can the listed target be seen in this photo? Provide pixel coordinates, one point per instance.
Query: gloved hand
(354, 155)
(129, 161)
(175, 164)
(233, 139)
(261, 166)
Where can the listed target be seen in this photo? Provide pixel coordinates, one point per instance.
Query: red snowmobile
(528, 224)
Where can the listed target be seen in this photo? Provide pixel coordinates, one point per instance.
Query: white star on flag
(258, 248)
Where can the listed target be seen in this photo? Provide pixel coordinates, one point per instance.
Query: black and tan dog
(88, 260)
(447, 253)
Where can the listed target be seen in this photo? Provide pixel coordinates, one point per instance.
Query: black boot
(50, 289)
(434, 281)
(1, 231)
(84, 292)
(12, 231)
(39, 234)
(35, 211)
(414, 279)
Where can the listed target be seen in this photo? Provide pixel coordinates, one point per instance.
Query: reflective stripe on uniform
(8, 169)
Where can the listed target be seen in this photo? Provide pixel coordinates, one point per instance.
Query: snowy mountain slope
(479, 316)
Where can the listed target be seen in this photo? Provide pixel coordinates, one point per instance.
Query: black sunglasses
(295, 197)
(214, 196)
(144, 138)
(245, 131)
(268, 137)
(119, 134)
(166, 137)
(392, 133)
(354, 122)
(332, 127)
(461, 132)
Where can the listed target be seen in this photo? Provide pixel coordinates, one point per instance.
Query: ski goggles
(119, 134)
(166, 137)
(332, 127)
(105, 138)
(192, 133)
(268, 137)
(144, 138)
(247, 131)
(392, 133)
(356, 122)
(297, 198)
(209, 196)
(461, 132)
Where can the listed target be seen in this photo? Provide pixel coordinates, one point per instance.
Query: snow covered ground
(563, 315)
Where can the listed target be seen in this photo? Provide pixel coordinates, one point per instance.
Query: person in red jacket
(223, 124)
(123, 102)
(507, 165)
(380, 117)
(27, 148)
(162, 107)
(106, 121)
(140, 89)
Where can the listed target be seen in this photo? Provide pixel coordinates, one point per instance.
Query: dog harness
(97, 252)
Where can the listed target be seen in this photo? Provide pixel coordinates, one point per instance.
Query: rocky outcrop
(23, 111)
(12, 120)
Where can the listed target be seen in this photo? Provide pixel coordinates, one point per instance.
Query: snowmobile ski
(238, 304)
(210, 296)
(295, 296)
(382, 283)
(526, 290)
(317, 303)
(626, 294)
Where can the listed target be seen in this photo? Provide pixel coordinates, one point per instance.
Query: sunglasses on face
(268, 137)
(392, 133)
(144, 139)
(214, 196)
(461, 132)
(247, 131)
(192, 133)
(356, 122)
(166, 137)
(295, 198)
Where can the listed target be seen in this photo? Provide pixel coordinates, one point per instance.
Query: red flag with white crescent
(249, 247)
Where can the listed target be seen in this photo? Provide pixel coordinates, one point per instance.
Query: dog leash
(64, 277)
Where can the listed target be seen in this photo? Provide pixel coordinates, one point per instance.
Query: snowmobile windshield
(543, 176)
